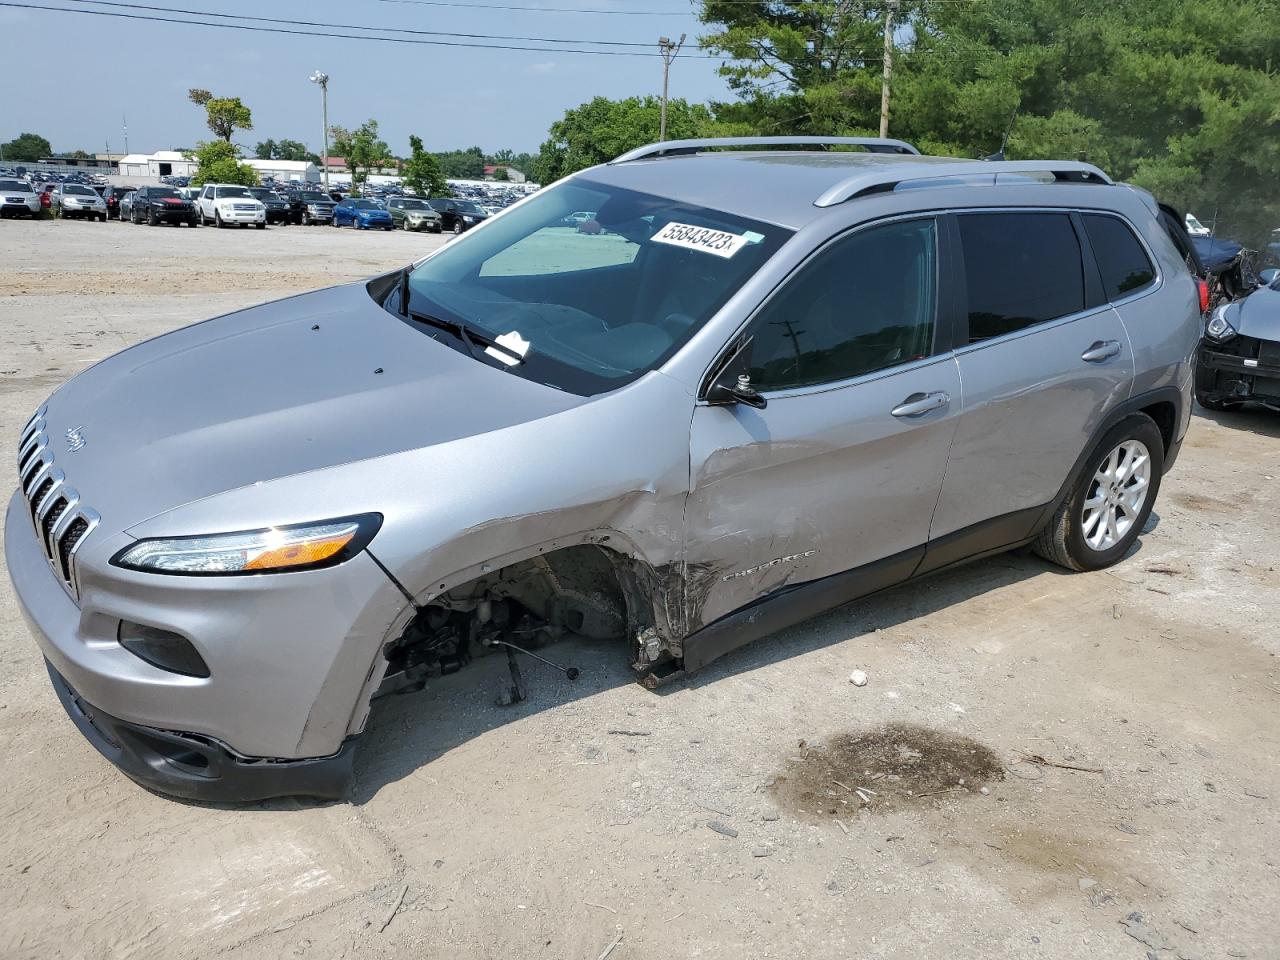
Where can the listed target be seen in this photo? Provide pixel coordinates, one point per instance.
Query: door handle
(1101, 350)
(918, 404)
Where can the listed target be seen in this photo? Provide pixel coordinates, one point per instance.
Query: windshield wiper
(467, 335)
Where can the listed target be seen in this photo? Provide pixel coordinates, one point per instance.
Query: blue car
(361, 214)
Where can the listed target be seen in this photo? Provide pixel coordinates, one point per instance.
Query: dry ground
(551, 828)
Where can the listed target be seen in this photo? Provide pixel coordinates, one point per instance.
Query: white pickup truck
(227, 203)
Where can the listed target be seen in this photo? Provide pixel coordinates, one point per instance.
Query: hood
(314, 381)
(1257, 315)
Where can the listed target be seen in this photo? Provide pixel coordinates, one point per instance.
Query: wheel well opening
(586, 591)
(1166, 417)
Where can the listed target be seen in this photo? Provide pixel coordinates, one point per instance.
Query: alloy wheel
(1117, 495)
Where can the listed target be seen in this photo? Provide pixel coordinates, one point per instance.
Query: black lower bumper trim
(197, 768)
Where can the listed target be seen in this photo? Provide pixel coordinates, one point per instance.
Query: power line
(511, 6)
(341, 36)
(356, 26)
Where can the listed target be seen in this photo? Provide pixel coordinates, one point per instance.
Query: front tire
(457, 228)
(217, 220)
(1110, 501)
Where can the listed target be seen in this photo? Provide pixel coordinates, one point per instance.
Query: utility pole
(125, 120)
(668, 50)
(889, 13)
(323, 80)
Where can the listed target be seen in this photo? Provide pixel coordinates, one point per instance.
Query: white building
(162, 163)
(286, 170)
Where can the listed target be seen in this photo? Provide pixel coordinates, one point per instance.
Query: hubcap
(1116, 495)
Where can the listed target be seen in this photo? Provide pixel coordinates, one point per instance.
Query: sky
(83, 75)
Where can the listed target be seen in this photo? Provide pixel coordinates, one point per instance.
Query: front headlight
(303, 546)
(1218, 327)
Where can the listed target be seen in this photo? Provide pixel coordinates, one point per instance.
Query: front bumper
(31, 206)
(173, 214)
(1241, 369)
(368, 223)
(289, 658)
(197, 768)
(243, 216)
(433, 226)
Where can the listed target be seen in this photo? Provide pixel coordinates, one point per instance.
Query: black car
(155, 205)
(277, 207)
(458, 215)
(309, 206)
(112, 195)
(1239, 355)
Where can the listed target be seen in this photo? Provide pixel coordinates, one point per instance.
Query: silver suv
(751, 383)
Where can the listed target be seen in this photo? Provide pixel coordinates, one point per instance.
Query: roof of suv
(791, 188)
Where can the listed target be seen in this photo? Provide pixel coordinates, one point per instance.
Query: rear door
(842, 468)
(1043, 356)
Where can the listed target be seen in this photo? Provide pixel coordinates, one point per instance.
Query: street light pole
(668, 50)
(323, 80)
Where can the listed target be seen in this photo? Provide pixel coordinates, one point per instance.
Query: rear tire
(1110, 501)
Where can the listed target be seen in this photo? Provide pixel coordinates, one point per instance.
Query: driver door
(841, 470)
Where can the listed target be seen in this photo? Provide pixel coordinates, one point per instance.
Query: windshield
(311, 196)
(366, 205)
(77, 191)
(162, 192)
(231, 192)
(262, 193)
(597, 303)
(14, 185)
(413, 205)
(467, 206)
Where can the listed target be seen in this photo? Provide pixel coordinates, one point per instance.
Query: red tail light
(1204, 295)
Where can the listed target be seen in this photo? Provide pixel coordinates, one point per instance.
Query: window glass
(596, 307)
(1021, 269)
(863, 304)
(1121, 259)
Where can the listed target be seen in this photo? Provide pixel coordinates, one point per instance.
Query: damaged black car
(1239, 356)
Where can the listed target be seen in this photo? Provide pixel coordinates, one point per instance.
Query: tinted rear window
(14, 185)
(1021, 269)
(1124, 264)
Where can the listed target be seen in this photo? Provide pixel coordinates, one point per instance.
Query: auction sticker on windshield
(704, 239)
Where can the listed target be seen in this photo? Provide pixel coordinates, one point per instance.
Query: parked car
(1239, 356)
(361, 214)
(740, 405)
(77, 200)
(457, 216)
(309, 206)
(275, 205)
(126, 206)
(155, 205)
(1195, 227)
(17, 199)
(226, 204)
(111, 196)
(411, 213)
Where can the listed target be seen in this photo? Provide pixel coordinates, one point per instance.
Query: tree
(598, 131)
(218, 162)
(500, 158)
(466, 164)
(422, 172)
(224, 115)
(361, 148)
(500, 173)
(284, 150)
(1178, 96)
(26, 147)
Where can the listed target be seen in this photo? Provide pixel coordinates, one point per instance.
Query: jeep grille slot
(59, 520)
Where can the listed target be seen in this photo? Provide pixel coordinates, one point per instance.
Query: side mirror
(1269, 276)
(733, 383)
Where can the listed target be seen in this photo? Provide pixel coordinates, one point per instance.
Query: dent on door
(815, 484)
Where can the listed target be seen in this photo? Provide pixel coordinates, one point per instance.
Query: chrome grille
(58, 518)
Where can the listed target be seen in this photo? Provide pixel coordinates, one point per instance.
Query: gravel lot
(552, 828)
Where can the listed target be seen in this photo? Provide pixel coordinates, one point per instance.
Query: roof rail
(884, 179)
(672, 148)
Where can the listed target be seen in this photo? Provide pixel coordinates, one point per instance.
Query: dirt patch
(885, 768)
(1199, 502)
